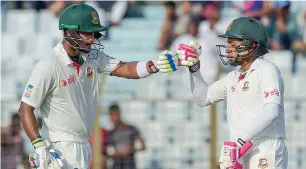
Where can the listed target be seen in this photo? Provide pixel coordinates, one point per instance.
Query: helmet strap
(244, 46)
(246, 54)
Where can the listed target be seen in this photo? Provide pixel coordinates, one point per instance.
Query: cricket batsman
(65, 87)
(254, 95)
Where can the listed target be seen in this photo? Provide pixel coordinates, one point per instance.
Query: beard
(85, 47)
(85, 50)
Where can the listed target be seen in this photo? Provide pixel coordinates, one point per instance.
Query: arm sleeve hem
(112, 68)
(28, 102)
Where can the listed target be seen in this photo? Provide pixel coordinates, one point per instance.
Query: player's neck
(70, 50)
(245, 65)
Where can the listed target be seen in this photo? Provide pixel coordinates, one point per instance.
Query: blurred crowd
(119, 144)
(285, 22)
(199, 19)
(12, 145)
(111, 12)
(202, 20)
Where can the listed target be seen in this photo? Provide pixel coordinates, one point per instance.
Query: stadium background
(178, 134)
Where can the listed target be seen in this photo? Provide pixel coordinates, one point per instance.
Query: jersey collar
(254, 65)
(64, 55)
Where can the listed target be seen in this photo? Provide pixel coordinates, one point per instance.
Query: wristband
(241, 142)
(38, 141)
(141, 69)
(195, 67)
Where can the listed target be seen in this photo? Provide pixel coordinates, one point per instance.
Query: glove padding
(231, 154)
(45, 157)
(188, 55)
(167, 61)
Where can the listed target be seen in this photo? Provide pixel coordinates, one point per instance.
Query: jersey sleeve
(218, 90)
(41, 82)
(271, 85)
(106, 64)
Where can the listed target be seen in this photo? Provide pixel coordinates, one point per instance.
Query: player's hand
(188, 54)
(45, 157)
(167, 61)
(231, 154)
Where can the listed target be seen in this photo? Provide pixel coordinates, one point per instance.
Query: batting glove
(231, 154)
(166, 62)
(188, 55)
(44, 157)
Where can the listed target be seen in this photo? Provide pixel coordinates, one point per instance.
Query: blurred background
(166, 130)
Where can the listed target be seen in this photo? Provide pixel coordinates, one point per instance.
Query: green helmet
(81, 17)
(78, 18)
(249, 30)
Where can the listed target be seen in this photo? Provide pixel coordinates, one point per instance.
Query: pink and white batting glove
(232, 152)
(188, 55)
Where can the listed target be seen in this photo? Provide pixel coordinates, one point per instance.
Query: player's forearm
(28, 120)
(133, 70)
(263, 120)
(199, 89)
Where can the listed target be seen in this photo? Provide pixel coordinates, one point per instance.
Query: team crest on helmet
(263, 163)
(89, 72)
(229, 26)
(95, 18)
(245, 86)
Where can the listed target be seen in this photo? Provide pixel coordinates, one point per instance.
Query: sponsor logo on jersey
(263, 163)
(29, 91)
(69, 81)
(245, 86)
(63, 83)
(266, 94)
(274, 92)
(89, 72)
